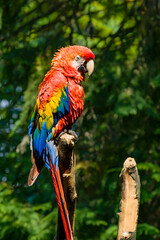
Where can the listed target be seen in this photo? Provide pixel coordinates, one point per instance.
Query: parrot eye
(77, 58)
(77, 62)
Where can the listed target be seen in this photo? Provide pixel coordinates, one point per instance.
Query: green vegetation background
(121, 116)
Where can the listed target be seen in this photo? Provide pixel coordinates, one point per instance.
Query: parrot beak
(90, 67)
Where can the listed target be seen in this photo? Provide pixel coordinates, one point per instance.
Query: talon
(57, 138)
(71, 132)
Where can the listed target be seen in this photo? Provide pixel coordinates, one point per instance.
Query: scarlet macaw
(59, 103)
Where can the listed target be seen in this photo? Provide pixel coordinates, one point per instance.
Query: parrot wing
(51, 105)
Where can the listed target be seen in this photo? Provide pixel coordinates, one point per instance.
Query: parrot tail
(56, 179)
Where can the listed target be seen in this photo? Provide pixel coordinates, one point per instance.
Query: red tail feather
(61, 199)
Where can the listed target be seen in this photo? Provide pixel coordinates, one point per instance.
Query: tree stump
(130, 197)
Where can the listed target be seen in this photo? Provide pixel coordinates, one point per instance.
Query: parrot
(59, 104)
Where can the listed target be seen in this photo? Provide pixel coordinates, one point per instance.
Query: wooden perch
(67, 164)
(130, 197)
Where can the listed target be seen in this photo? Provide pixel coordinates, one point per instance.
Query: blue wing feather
(40, 136)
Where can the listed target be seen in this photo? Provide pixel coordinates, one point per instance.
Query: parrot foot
(71, 132)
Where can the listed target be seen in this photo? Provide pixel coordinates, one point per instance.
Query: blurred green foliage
(121, 116)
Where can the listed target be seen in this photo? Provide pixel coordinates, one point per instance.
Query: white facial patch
(77, 62)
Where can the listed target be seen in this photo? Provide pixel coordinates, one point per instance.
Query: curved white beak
(90, 67)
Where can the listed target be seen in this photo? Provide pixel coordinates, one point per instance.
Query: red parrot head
(77, 58)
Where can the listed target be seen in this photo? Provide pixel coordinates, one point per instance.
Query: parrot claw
(71, 132)
(58, 137)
